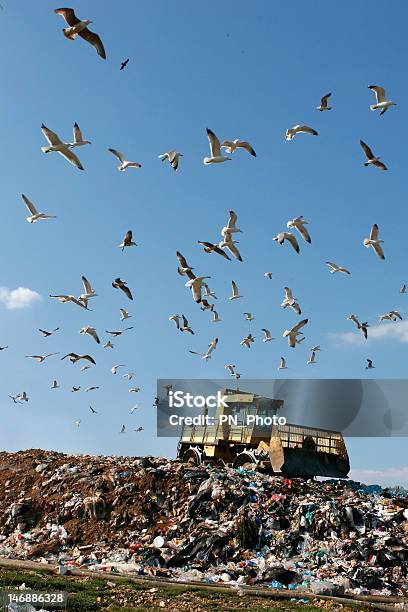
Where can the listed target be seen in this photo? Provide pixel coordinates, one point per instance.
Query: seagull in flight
(229, 243)
(176, 318)
(64, 299)
(133, 408)
(268, 275)
(3, 348)
(282, 364)
(78, 27)
(216, 157)
(335, 268)
(369, 365)
(196, 284)
(355, 320)
(55, 384)
(127, 241)
(173, 157)
(124, 314)
(211, 347)
(299, 224)
(184, 269)
(249, 316)
(235, 292)
(129, 375)
(118, 332)
(231, 369)
(312, 358)
(124, 164)
(94, 388)
(290, 301)
(124, 64)
(139, 429)
(23, 397)
(393, 315)
(85, 367)
(298, 129)
(372, 160)
(120, 284)
(78, 138)
(323, 103)
(91, 331)
(75, 389)
(78, 422)
(267, 335)
(247, 341)
(291, 238)
(56, 145)
(231, 227)
(108, 345)
(382, 102)
(93, 410)
(123, 429)
(74, 357)
(208, 292)
(186, 327)
(15, 398)
(35, 215)
(403, 289)
(216, 318)
(291, 334)
(209, 247)
(114, 369)
(41, 358)
(374, 242)
(232, 145)
(88, 291)
(134, 390)
(46, 333)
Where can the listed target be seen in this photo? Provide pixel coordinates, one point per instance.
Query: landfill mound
(160, 517)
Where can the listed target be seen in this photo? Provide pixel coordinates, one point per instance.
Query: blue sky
(245, 71)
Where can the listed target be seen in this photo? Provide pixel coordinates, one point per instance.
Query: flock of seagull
(295, 234)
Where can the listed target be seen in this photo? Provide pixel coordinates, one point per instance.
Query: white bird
(173, 157)
(93, 410)
(216, 156)
(118, 283)
(91, 331)
(323, 103)
(74, 358)
(291, 334)
(124, 164)
(335, 268)
(247, 341)
(208, 292)
(78, 139)
(115, 368)
(64, 299)
(88, 291)
(55, 384)
(56, 145)
(268, 275)
(134, 390)
(205, 305)
(127, 241)
(382, 102)
(235, 292)
(129, 375)
(297, 129)
(139, 429)
(108, 345)
(403, 289)
(282, 364)
(267, 335)
(176, 318)
(85, 367)
(35, 215)
(229, 243)
(231, 369)
(123, 429)
(77, 423)
(312, 358)
(369, 365)
(374, 242)
(124, 314)
(78, 27)
(41, 358)
(216, 318)
(133, 408)
(195, 284)
(372, 160)
(299, 224)
(232, 145)
(23, 397)
(210, 247)
(393, 315)
(249, 316)
(231, 227)
(211, 347)
(94, 388)
(75, 389)
(290, 301)
(291, 238)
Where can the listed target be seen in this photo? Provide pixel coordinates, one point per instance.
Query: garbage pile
(160, 517)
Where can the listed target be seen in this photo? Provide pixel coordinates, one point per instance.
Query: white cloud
(22, 297)
(383, 331)
(388, 477)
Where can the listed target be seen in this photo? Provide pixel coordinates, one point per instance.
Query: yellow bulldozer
(247, 431)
